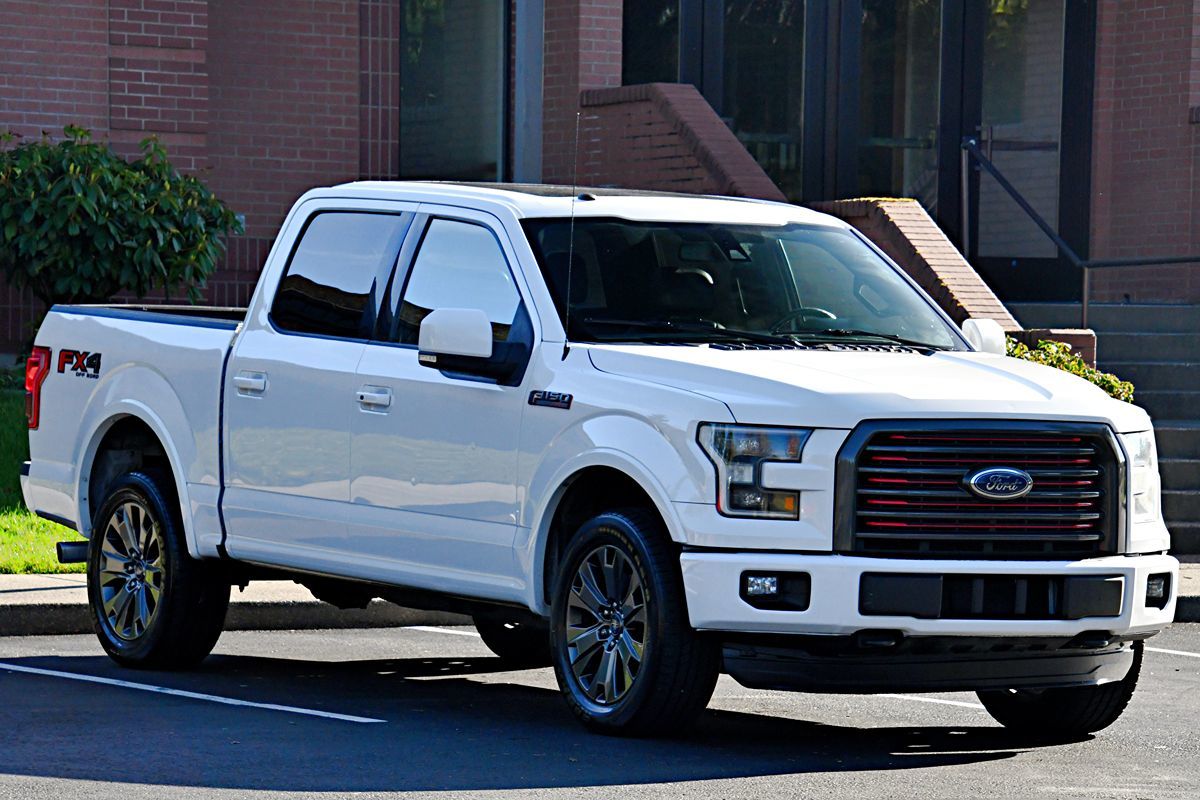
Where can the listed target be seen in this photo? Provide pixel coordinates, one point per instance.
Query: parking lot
(429, 710)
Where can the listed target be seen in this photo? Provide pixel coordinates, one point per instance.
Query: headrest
(690, 291)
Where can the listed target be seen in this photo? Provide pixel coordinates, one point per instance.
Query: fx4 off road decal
(80, 362)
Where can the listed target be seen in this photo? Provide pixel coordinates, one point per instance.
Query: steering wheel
(802, 313)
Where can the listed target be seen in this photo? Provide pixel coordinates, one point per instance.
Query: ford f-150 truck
(645, 438)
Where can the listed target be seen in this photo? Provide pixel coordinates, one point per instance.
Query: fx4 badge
(80, 362)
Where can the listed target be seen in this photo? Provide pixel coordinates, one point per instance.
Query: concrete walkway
(32, 605)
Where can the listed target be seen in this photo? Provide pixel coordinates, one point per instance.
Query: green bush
(79, 224)
(1061, 356)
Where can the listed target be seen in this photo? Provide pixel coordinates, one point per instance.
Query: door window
(459, 265)
(332, 284)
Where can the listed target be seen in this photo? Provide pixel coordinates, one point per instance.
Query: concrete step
(1169, 405)
(1147, 347)
(1185, 538)
(1110, 316)
(1181, 505)
(1177, 438)
(1179, 474)
(1155, 376)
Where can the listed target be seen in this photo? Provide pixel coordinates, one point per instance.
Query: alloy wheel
(131, 570)
(606, 625)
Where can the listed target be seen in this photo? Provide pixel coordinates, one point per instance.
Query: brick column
(582, 51)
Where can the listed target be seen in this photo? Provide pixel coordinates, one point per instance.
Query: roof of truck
(547, 200)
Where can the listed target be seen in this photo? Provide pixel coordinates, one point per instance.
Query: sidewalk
(32, 605)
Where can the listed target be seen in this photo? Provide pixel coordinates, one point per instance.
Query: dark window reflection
(650, 42)
(764, 83)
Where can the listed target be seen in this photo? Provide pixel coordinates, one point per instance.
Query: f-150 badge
(80, 362)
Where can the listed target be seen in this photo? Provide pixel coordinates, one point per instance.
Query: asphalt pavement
(428, 710)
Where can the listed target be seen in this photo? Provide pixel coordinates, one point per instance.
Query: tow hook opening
(878, 639)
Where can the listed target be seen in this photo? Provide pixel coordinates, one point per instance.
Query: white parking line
(211, 698)
(431, 629)
(1172, 652)
(938, 700)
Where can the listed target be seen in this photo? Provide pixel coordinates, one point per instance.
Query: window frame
(402, 275)
(383, 275)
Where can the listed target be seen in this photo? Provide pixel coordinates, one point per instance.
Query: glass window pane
(452, 73)
(459, 265)
(332, 283)
(898, 101)
(1022, 120)
(764, 83)
(650, 42)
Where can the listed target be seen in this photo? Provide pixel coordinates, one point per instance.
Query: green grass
(26, 541)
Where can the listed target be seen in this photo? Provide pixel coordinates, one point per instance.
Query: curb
(59, 619)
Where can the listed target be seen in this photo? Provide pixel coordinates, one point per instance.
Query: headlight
(1145, 490)
(738, 451)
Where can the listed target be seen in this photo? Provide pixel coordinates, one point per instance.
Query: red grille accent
(912, 498)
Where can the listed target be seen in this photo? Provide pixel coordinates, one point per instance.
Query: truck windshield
(623, 280)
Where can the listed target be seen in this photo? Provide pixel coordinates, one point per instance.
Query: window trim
(386, 273)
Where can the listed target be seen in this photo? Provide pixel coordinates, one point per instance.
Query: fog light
(1158, 590)
(761, 585)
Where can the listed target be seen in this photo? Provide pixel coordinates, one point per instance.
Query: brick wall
(664, 136)
(1145, 186)
(285, 116)
(582, 51)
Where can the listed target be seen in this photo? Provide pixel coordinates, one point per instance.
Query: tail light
(37, 367)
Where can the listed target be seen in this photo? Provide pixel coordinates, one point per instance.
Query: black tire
(186, 599)
(524, 644)
(1064, 714)
(677, 669)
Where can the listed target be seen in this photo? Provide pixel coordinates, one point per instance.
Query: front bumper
(712, 583)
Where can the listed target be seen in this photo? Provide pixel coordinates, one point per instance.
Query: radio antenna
(571, 240)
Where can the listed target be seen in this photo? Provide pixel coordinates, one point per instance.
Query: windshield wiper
(854, 333)
(655, 328)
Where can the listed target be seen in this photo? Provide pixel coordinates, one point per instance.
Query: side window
(459, 265)
(337, 272)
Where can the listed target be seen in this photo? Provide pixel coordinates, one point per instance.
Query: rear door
(291, 387)
(434, 454)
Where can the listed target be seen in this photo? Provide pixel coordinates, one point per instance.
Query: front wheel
(625, 656)
(153, 606)
(1068, 713)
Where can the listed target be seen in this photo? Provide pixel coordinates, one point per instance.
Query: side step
(71, 552)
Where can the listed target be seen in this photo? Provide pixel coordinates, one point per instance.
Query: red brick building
(1090, 107)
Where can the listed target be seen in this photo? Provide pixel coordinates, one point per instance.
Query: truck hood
(840, 388)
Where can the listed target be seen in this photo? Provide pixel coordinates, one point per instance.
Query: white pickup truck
(646, 438)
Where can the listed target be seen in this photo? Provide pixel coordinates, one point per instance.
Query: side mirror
(454, 332)
(985, 335)
(459, 341)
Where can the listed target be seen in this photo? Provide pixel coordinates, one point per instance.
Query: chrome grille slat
(908, 495)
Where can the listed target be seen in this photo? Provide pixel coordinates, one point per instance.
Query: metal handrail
(970, 149)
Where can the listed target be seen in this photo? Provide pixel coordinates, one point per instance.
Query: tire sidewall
(617, 530)
(141, 488)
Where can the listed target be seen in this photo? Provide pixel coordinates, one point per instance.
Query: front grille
(902, 491)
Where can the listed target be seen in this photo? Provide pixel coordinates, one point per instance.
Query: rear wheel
(523, 644)
(625, 655)
(153, 606)
(1067, 713)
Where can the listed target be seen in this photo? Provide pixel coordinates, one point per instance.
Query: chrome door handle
(250, 382)
(375, 397)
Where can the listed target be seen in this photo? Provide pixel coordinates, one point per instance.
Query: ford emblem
(999, 483)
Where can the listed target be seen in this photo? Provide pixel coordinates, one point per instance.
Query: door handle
(375, 397)
(250, 382)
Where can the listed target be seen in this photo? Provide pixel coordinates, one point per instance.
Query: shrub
(1061, 356)
(78, 223)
